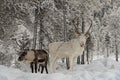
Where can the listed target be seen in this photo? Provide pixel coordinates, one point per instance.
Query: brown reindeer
(35, 57)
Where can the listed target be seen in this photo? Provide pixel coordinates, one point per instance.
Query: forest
(34, 24)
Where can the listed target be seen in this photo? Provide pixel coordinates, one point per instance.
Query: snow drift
(94, 71)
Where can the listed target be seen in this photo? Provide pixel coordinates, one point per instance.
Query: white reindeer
(71, 49)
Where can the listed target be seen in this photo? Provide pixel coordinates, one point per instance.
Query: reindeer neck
(76, 45)
(30, 55)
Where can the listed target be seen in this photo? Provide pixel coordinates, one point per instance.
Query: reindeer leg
(46, 69)
(39, 68)
(71, 63)
(67, 63)
(31, 66)
(42, 69)
(53, 64)
(36, 67)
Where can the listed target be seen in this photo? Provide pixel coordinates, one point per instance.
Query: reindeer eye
(23, 54)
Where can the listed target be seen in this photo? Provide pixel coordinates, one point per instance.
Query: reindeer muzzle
(81, 45)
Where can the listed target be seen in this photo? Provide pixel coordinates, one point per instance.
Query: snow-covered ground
(94, 71)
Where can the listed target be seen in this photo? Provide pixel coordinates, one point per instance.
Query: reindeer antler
(21, 44)
(14, 39)
(76, 25)
(89, 27)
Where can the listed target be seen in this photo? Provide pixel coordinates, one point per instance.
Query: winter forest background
(34, 24)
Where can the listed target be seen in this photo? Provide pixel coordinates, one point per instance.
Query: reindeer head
(82, 37)
(22, 56)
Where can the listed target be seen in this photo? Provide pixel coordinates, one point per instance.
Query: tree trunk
(65, 30)
(91, 57)
(87, 54)
(40, 34)
(105, 56)
(40, 29)
(35, 29)
(82, 58)
(88, 47)
(116, 53)
(107, 52)
(116, 48)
